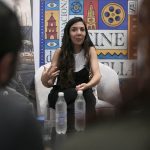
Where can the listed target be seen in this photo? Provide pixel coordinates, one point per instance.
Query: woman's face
(77, 33)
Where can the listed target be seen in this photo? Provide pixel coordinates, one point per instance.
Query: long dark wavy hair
(66, 62)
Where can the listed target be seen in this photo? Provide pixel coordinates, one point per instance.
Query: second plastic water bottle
(80, 112)
(61, 114)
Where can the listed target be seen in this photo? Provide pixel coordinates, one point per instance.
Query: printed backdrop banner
(112, 26)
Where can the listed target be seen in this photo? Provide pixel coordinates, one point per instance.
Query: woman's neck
(77, 49)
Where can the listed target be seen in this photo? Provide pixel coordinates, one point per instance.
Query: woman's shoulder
(58, 50)
(92, 50)
(56, 55)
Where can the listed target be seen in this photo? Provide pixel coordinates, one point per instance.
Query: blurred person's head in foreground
(10, 43)
(144, 47)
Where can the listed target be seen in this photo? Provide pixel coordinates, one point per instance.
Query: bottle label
(61, 118)
(79, 115)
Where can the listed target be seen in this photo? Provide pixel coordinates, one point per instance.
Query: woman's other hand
(82, 87)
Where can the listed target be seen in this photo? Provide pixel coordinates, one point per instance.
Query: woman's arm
(49, 74)
(94, 70)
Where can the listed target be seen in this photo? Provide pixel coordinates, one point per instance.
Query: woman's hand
(82, 87)
(49, 75)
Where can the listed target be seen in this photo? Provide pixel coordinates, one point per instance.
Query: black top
(81, 76)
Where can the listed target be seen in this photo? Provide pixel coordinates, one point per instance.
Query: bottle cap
(80, 92)
(60, 94)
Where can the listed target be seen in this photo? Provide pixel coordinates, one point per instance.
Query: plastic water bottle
(61, 114)
(80, 112)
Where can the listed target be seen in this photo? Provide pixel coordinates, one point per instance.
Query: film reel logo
(113, 14)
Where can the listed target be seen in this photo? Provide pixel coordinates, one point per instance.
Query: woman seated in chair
(72, 65)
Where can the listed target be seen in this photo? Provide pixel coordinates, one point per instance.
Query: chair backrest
(107, 89)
